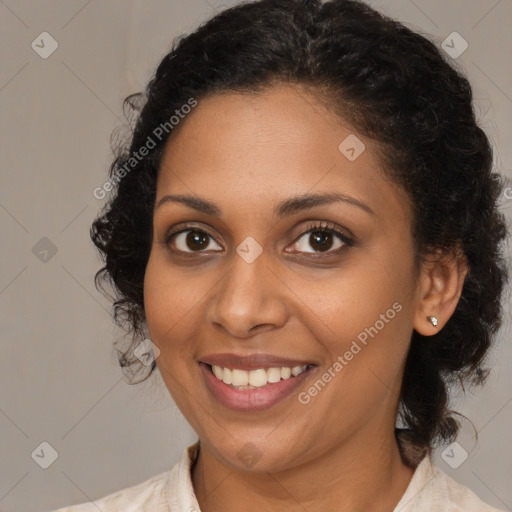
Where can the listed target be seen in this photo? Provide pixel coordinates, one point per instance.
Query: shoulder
(171, 490)
(147, 495)
(432, 489)
(460, 497)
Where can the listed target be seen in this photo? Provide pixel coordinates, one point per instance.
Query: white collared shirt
(430, 489)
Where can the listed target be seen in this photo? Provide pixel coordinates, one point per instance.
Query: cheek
(166, 307)
(170, 295)
(156, 296)
(343, 304)
(365, 317)
(169, 306)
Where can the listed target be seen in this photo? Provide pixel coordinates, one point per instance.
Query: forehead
(253, 150)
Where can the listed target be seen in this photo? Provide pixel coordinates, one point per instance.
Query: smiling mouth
(255, 379)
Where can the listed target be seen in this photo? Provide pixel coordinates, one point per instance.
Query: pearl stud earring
(433, 320)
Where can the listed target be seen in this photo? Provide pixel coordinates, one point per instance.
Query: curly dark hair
(392, 85)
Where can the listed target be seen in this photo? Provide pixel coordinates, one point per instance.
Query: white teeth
(242, 379)
(217, 370)
(296, 370)
(273, 374)
(258, 378)
(227, 377)
(286, 373)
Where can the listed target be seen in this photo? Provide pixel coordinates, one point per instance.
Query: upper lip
(251, 361)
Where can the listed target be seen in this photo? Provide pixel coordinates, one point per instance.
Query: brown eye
(322, 239)
(190, 240)
(319, 240)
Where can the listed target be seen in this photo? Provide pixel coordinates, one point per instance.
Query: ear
(440, 287)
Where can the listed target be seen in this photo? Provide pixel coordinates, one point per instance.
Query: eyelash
(324, 227)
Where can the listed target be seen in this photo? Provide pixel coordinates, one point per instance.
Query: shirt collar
(181, 496)
(180, 493)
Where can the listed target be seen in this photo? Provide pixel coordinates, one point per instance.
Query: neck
(356, 476)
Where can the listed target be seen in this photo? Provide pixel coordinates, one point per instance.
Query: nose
(249, 299)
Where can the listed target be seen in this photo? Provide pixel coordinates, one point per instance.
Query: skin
(246, 153)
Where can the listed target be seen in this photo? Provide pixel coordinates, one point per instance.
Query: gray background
(59, 379)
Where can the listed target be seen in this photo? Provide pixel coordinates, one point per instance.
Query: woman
(305, 225)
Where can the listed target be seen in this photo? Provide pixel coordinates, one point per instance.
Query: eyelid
(347, 239)
(329, 227)
(187, 226)
(344, 233)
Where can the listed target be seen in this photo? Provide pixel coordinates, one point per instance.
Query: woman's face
(257, 283)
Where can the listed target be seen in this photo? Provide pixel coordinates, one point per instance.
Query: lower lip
(251, 399)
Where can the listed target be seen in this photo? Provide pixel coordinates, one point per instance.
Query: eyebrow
(282, 209)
